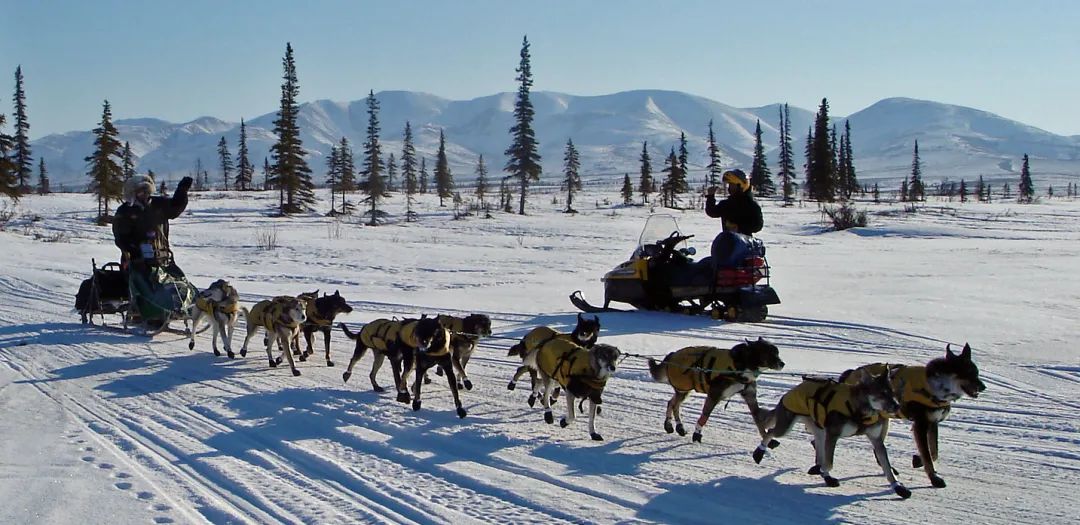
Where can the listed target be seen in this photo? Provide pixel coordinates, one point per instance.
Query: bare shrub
(844, 216)
(266, 238)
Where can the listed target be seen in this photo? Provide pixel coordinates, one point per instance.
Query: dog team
(860, 401)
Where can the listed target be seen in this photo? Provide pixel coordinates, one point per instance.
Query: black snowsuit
(741, 216)
(136, 224)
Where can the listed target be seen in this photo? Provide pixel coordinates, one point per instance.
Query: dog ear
(579, 319)
(948, 352)
(596, 318)
(966, 352)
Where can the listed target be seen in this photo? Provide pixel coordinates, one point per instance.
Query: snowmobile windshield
(657, 228)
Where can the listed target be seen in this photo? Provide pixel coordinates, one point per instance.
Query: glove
(185, 184)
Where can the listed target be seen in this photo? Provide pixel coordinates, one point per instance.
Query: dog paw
(467, 384)
(696, 438)
(416, 405)
(831, 481)
(346, 376)
(273, 364)
(937, 482)
(596, 437)
(461, 412)
(243, 353)
(191, 345)
(564, 423)
(532, 401)
(916, 461)
(773, 443)
(680, 429)
(231, 355)
(668, 428)
(378, 388)
(549, 418)
(511, 386)
(217, 353)
(402, 397)
(758, 454)
(814, 470)
(295, 372)
(901, 491)
(277, 361)
(329, 363)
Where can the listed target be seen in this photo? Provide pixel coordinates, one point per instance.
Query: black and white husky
(219, 304)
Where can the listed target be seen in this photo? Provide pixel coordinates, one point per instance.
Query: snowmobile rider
(141, 224)
(740, 213)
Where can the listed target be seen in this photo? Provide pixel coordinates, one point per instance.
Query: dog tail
(247, 315)
(348, 333)
(518, 350)
(659, 370)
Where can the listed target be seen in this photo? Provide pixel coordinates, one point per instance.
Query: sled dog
(220, 305)
(281, 317)
(394, 340)
(583, 372)
(584, 334)
(831, 410)
(717, 373)
(465, 332)
(321, 312)
(430, 346)
(926, 394)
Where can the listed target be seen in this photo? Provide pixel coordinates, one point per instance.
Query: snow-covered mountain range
(954, 141)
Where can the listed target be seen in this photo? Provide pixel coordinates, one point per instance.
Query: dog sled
(105, 292)
(662, 275)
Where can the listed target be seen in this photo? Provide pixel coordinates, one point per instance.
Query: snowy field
(101, 426)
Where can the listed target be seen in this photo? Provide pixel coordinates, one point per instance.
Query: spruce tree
(9, 171)
(963, 190)
(245, 172)
(787, 158)
(127, 162)
(269, 180)
(524, 157)
(481, 181)
(627, 190)
(645, 183)
(714, 170)
(444, 180)
(1027, 187)
(290, 167)
(759, 168)
(850, 180)
(672, 181)
(225, 159)
(333, 174)
(684, 156)
(905, 192)
(391, 172)
(821, 180)
(809, 152)
(877, 193)
(24, 163)
(916, 189)
(980, 188)
(408, 161)
(346, 175)
(106, 176)
(423, 175)
(43, 178)
(571, 175)
(375, 183)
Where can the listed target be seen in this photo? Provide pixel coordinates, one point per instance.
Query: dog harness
(816, 399)
(695, 367)
(315, 317)
(380, 333)
(909, 382)
(454, 324)
(408, 336)
(569, 364)
(229, 305)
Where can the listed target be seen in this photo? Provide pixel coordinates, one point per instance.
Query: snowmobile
(662, 275)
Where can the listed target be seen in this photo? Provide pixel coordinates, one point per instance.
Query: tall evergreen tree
(759, 169)
(43, 178)
(346, 174)
(963, 190)
(444, 180)
(524, 157)
(916, 189)
(225, 160)
(106, 176)
(375, 185)
(627, 191)
(821, 180)
(391, 172)
(684, 155)
(127, 165)
(877, 193)
(645, 183)
(674, 181)
(423, 175)
(787, 158)
(290, 167)
(245, 172)
(9, 171)
(269, 180)
(571, 175)
(24, 163)
(408, 161)
(333, 174)
(905, 193)
(849, 181)
(714, 170)
(1027, 187)
(481, 181)
(809, 151)
(980, 187)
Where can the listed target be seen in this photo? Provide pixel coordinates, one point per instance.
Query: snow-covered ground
(101, 426)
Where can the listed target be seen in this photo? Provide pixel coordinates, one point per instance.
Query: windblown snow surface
(104, 426)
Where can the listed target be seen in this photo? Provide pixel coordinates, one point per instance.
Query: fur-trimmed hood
(134, 183)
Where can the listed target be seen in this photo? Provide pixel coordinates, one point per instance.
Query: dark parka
(136, 223)
(739, 210)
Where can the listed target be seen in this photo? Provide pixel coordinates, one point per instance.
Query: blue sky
(181, 60)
